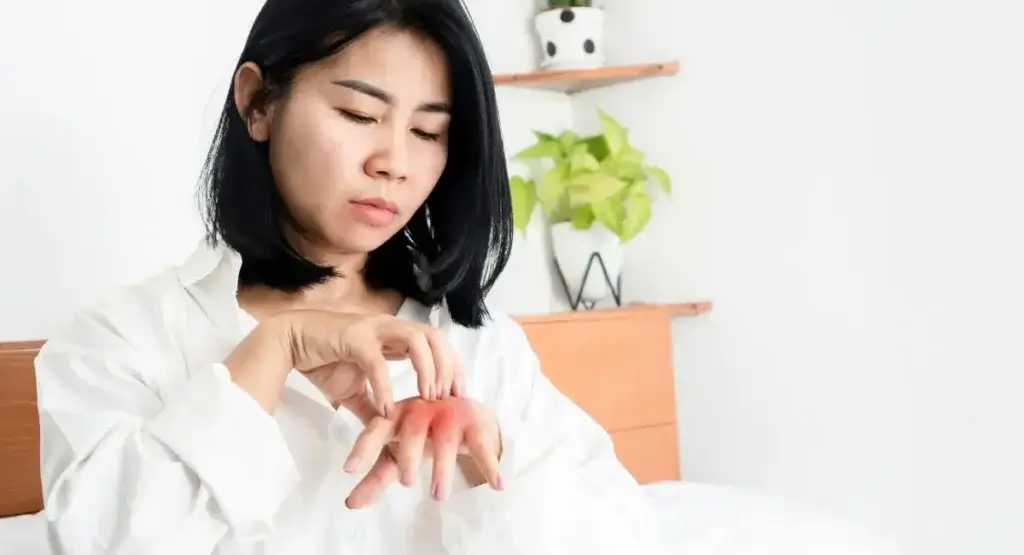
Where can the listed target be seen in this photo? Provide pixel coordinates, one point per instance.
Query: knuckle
(434, 335)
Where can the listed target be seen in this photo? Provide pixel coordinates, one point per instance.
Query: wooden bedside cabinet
(617, 365)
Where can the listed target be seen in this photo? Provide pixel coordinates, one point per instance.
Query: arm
(565, 489)
(138, 458)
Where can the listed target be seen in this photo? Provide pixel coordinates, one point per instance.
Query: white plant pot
(573, 249)
(571, 38)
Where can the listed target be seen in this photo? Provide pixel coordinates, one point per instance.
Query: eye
(357, 118)
(426, 136)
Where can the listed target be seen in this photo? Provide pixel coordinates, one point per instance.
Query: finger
(482, 452)
(419, 354)
(458, 381)
(368, 358)
(444, 360)
(446, 448)
(363, 406)
(380, 476)
(369, 444)
(412, 439)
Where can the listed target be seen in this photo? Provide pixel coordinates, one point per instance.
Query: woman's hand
(340, 353)
(456, 433)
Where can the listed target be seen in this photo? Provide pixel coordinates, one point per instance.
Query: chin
(359, 240)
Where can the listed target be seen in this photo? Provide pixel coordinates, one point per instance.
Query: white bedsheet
(24, 535)
(701, 519)
(698, 520)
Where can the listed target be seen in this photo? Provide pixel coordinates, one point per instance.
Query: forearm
(195, 460)
(97, 492)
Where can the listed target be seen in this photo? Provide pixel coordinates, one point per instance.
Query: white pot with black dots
(571, 38)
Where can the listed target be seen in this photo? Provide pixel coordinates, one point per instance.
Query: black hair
(456, 244)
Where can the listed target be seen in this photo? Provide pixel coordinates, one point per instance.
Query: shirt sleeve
(565, 489)
(128, 467)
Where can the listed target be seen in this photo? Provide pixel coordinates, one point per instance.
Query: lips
(378, 203)
(375, 212)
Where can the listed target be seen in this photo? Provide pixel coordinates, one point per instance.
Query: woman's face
(361, 139)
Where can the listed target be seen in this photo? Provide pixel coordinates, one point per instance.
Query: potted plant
(571, 35)
(597, 195)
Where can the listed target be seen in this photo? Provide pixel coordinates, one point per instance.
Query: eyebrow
(382, 95)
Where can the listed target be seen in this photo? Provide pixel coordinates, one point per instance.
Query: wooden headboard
(616, 364)
(20, 489)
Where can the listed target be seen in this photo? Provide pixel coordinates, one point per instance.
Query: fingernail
(442, 393)
(352, 464)
(434, 492)
(499, 484)
(387, 410)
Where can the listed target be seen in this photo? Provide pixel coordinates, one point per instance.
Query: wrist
(260, 363)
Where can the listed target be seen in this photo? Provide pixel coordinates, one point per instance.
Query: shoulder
(147, 314)
(135, 316)
(497, 352)
(497, 361)
(500, 332)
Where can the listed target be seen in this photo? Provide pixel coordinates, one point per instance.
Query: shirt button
(340, 432)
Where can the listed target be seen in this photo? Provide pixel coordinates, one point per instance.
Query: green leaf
(583, 217)
(561, 213)
(597, 146)
(544, 137)
(594, 187)
(568, 139)
(637, 217)
(583, 161)
(630, 155)
(611, 213)
(625, 170)
(552, 186)
(543, 149)
(524, 201)
(614, 134)
(661, 176)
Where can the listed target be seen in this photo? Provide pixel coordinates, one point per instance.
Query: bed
(616, 364)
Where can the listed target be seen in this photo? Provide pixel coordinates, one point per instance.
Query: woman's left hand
(457, 433)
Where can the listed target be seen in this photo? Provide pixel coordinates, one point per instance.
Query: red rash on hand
(447, 420)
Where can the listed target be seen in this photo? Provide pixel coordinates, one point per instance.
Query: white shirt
(148, 446)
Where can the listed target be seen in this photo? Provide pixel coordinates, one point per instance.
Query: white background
(848, 180)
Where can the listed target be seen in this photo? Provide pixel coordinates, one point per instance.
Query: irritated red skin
(446, 423)
(447, 420)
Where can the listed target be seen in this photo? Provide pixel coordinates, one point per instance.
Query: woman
(331, 338)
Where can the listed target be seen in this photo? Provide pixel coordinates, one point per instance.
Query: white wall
(526, 286)
(849, 186)
(106, 111)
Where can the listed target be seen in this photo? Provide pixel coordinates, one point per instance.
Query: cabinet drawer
(650, 454)
(619, 370)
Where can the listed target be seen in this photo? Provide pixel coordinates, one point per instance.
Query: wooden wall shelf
(626, 311)
(579, 80)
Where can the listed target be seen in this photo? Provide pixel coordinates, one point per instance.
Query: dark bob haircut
(455, 246)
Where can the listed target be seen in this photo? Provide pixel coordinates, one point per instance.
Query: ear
(249, 88)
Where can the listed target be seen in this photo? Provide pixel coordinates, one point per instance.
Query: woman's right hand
(341, 354)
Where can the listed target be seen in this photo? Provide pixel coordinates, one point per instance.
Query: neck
(346, 292)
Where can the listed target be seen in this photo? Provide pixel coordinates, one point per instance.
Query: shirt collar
(210, 275)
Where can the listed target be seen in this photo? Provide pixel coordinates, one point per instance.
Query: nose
(390, 159)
